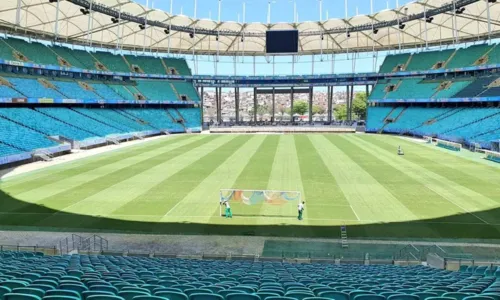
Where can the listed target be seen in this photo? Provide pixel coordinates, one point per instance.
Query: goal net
(260, 203)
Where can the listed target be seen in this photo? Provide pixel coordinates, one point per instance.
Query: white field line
(352, 208)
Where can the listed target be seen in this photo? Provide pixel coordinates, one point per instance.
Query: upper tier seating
(123, 277)
(426, 60)
(70, 116)
(32, 88)
(179, 64)
(68, 56)
(21, 137)
(85, 58)
(6, 51)
(48, 55)
(392, 61)
(156, 90)
(466, 57)
(148, 64)
(35, 52)
(43, 123)
(112, 62)
(186, 88)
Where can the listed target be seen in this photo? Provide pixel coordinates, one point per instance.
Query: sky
(281, 11)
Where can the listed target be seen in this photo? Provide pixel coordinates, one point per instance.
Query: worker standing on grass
(301, 210)
(228, 213)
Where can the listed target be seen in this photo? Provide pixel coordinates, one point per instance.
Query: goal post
(428, 139)
(260, 203)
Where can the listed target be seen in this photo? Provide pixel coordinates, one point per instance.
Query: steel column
(217, 104)
(330, 108)
(347, 102)
(291, 104)
(255, 104)
(352, 98)
(274, 106)
(202, 106)
(237, 104)
(310, 104)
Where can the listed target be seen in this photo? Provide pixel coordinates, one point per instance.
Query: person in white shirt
(301, 210)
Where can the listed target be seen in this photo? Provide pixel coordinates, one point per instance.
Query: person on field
(228, 213)
(301, 209)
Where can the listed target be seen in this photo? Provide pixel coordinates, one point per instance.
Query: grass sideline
(172, 186)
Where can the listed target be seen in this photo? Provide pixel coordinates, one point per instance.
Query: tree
(359, 105)
(340, 112)
(300, 107)
(318, 109)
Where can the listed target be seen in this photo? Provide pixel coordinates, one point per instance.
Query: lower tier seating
(73, 277)
(481, 125)
(25, 129)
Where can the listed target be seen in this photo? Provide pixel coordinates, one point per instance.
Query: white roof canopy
(38, 17)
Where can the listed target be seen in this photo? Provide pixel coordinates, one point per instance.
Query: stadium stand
(429, 60)
(112, 62)
(31, 87)
(71, 89)
(157, 118)
(186, 89)
(454, 124)
(412, 88)
(6, 51)
(34, 52)
(476, 88)
(69, 116)
(156, 89)
(147, 64)
(466, 57)
(21, 137)
(43, 123)
(7, 150)
(103, 277)
(392, 62)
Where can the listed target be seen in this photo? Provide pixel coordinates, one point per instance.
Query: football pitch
(172, 186)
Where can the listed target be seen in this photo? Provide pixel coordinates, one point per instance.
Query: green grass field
(172, 186)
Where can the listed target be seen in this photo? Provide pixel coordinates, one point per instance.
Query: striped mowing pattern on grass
(172, 186)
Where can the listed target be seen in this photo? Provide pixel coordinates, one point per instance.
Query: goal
(260, 203)
(448, 145)
(492, 155)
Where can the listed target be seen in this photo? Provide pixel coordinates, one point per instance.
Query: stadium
(150, 155)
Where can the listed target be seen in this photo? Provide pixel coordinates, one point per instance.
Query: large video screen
(282, 41)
